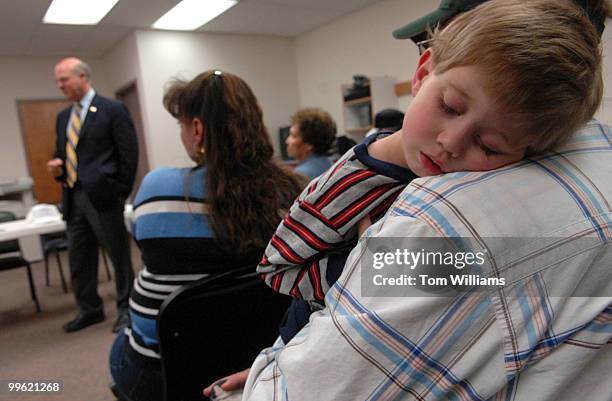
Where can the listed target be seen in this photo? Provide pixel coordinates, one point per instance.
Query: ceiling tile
(23, 32)
(58, 37)
(104, 37)
(138, 13)
(23, 10)
(15, 38)
(265, 19)
(321, 5)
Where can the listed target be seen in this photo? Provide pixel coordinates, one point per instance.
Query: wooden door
(38, 130)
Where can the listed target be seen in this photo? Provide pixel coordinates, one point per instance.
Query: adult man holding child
(546, 335)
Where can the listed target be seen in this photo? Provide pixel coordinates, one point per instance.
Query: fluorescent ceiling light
(78, 12)
(192, 14)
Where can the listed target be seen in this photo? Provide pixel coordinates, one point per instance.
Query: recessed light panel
(78, 12)
(189, 15)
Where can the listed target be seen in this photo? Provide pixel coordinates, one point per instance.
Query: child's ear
(424, 68)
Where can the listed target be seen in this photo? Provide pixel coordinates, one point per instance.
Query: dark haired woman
(311, 137)
(193, 222)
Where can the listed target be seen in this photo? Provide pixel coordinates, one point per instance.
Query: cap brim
(420, 26)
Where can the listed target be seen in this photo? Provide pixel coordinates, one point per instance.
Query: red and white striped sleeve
(323, 219)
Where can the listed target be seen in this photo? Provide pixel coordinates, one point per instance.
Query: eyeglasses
(424, 45)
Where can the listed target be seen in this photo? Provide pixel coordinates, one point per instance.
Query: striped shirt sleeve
(322, 221)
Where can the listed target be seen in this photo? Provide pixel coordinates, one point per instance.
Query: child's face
(453, 125)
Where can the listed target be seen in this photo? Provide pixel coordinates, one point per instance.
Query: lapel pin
(93, 109)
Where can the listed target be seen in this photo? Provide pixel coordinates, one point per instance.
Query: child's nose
(453, 139)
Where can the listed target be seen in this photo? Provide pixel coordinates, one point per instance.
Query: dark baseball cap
(447, 9)
(417, 30)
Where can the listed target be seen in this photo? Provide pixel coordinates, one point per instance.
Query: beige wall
(284, 73)
(266, 63)
(123, 68)
(360, 43)
(151, 59)
(23, 79)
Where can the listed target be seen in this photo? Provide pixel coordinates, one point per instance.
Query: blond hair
(541, 59)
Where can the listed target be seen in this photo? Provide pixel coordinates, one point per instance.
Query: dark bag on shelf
(361, 88)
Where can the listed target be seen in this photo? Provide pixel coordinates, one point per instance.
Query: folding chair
(11, 258)
(56, 243)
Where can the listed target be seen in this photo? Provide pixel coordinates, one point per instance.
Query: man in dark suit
(95, 159)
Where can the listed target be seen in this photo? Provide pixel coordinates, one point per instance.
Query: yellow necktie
(71, 145)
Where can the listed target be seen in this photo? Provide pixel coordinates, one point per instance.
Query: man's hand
(232, 382)
(54, 167)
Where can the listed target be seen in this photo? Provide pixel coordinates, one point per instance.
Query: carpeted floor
(33, 345)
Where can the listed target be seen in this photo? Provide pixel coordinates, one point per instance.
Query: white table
(28, 234)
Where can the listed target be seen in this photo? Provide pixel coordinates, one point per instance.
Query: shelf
(358, 114)
(403, 88)
(358, 101)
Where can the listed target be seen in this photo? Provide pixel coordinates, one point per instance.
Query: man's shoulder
(586, 152)
(64, 112)
(535, 196)
(106, 102)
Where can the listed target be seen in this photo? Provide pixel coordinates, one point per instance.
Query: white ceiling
(23, 34)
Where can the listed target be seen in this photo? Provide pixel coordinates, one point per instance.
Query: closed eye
(447, 109)
(487, 150)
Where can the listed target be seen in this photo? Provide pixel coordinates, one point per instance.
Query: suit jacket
(107, 154)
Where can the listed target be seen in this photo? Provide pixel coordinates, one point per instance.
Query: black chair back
(11, 258)
(215, 327)
(8, 246)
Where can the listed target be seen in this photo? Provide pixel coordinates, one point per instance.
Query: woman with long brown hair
(198, 221)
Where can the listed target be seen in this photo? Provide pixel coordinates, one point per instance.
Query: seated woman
(310, 140)
(193, 222)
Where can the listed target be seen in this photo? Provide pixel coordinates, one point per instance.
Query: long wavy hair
(246, 189)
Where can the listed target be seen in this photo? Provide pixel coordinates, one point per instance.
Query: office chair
(214, 327)
(11, 258)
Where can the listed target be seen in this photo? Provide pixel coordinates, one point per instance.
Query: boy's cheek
(418, 120)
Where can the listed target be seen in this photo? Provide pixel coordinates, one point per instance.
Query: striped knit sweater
(177, 244)
(308, 250)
